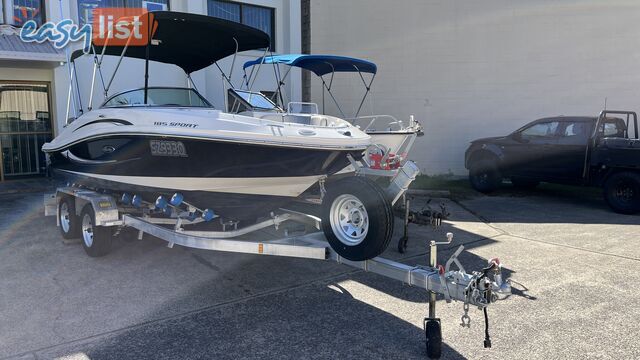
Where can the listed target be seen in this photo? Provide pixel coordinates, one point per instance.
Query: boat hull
(238, 181)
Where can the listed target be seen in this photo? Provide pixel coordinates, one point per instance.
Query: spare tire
(357, 218)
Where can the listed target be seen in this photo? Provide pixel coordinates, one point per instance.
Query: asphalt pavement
(574, 265)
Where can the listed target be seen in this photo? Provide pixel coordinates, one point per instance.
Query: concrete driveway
(576, 265)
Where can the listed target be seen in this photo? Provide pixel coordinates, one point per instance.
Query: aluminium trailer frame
(473, 289)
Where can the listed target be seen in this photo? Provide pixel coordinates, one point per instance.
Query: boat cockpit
(256, 104)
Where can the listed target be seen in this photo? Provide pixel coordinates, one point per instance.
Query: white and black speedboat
(161, 141)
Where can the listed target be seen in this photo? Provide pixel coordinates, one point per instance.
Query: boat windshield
(171, 97)
(256, 100)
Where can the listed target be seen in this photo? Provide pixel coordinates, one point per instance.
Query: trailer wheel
(622, 192)
(357, 218)
(69, 221)
(433, 333)
(96, 239)
(484, 176)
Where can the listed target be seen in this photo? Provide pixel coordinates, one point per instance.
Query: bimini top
(191, 41)
(319, 64)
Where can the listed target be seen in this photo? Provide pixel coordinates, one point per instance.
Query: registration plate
(168, 148)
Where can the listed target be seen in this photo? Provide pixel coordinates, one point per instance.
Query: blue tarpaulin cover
(319, 64)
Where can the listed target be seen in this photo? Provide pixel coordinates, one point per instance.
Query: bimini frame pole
(96, 65)
(115, 71)
(225, 77)
(146, 59)
(253, 68)
(66, 119)
(258, 71)
(366, 86)
(324, 84)
(280, 80)
(75, 71)
(68, 59)
(233, 61)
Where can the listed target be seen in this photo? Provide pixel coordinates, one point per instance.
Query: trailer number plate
(168, 148)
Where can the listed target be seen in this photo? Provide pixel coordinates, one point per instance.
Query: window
(25, 125)
(21, 11)
(259, 17)
(574, 133)
(85, 7)
(613, 129)
(576, 129)
(243, 100)
(544, 129)
(256, 100)
(174, 97)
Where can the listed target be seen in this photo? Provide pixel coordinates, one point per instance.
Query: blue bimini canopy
(319, 64)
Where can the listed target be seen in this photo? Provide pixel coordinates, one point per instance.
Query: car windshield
(180, 97)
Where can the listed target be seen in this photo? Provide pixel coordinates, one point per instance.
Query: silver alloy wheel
(349, 219)
(87, 230)
(65, 221)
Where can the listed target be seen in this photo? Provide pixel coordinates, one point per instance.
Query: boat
(393, 138)
(156, 142)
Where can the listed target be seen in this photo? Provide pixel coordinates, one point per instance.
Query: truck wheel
(524, 183)
(357, 218)
(622, 192)
(96, 240)
(484, 176)
(69, 221)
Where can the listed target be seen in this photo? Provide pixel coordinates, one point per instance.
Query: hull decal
(118, 122)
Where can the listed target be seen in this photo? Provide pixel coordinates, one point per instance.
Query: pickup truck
(602, 151)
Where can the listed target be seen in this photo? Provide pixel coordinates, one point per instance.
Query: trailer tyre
(484, 176)
(96, 240)
(69, 221)
(622, 192)
(357, 218)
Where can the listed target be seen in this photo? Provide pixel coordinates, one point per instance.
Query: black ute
(601, 151)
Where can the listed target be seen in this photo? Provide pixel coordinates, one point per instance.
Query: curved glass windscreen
(256, 100)
(179, 97)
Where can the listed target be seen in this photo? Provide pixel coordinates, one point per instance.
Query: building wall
(471, 69)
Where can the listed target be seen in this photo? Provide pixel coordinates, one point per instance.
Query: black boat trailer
(479, 289)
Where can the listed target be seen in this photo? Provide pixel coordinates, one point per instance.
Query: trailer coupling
(478, 288)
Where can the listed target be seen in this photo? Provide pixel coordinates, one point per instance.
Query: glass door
(25, 125)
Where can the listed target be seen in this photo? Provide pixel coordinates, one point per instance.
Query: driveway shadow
(548, 203)
(319, 322)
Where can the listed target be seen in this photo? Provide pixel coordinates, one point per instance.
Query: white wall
(470, 69)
